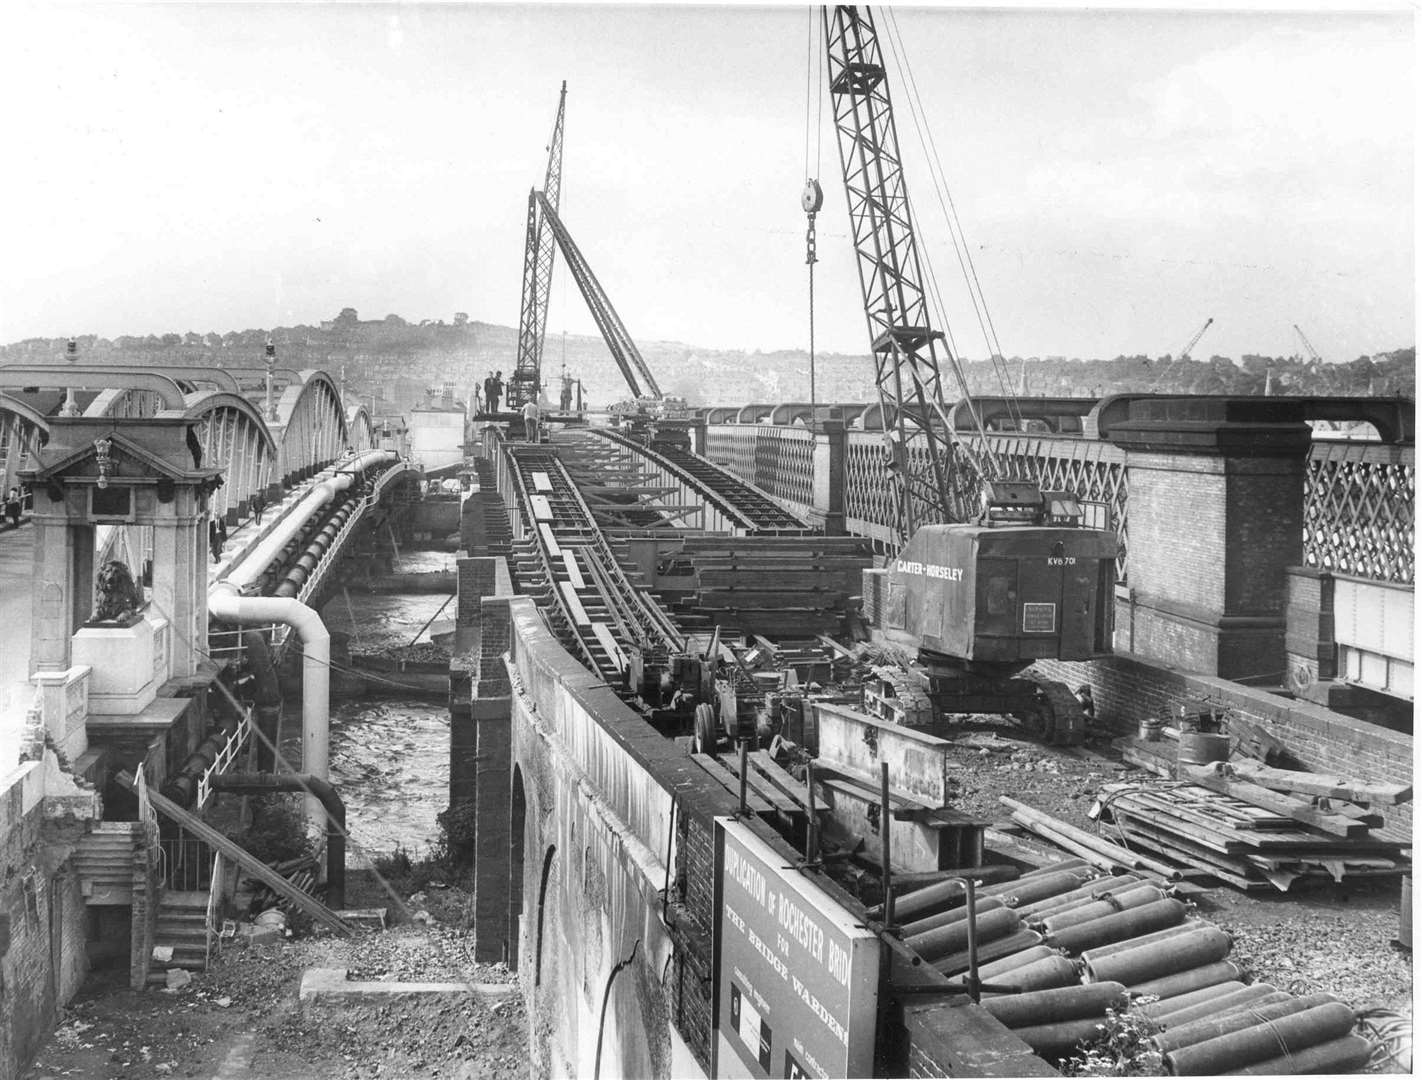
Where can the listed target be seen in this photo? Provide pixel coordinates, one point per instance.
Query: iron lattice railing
(1359, 498)
(778, 460)
(1360, 510)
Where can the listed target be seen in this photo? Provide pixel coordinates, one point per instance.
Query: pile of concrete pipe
(1070, 945)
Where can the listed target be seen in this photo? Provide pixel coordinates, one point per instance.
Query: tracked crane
(524, 384)
(994, 574)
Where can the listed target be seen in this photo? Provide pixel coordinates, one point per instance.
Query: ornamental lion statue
(119, 597)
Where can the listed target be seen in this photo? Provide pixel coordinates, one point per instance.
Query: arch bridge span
(262, 444)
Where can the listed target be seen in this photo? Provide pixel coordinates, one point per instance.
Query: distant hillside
(389, 363)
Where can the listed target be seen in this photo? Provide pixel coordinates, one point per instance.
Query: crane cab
(1004, 594)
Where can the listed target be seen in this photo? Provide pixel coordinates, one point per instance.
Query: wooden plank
(550, 542)
(782, 779)
(1326, 785)
(1197, 860)
(761, 785)
(541, 510)
(573, 605)
(248, 862)
(541, 481)
(1207, 776)
(575, 576)
(717, 770)
(609, 643)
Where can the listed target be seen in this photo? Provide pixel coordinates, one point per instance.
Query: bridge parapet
(1359, 497)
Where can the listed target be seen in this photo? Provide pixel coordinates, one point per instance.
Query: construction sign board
(797, 980)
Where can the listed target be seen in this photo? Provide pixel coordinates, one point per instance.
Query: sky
(1120, 175)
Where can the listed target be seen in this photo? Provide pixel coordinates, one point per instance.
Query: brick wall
(1128, 689)
(39, 894)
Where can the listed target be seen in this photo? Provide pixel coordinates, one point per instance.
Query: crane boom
(1189, 345)
(619, 341)
(938, 485)
(1312, 352)
(537, 275)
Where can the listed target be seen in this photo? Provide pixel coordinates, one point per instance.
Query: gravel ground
(112, 1033)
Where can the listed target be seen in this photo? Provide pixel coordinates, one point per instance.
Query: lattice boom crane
(524, 383)
(1022, 582)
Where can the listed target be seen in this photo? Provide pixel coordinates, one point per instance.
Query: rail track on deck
(566, 564)
(746, 508)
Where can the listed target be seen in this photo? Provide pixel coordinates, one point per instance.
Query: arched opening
(518, 812)
(542, 914)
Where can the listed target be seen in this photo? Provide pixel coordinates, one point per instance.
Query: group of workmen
(493, 391)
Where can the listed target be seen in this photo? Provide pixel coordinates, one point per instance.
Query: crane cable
(955, 228)
(813, 94)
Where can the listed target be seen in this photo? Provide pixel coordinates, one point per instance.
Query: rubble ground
(110, 1032)
(1319, 936)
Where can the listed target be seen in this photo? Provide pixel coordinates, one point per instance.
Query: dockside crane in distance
(524, 383)
(1190, 345)
(1308, 346)
(994, 573)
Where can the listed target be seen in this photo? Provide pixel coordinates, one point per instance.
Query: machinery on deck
(994, 574)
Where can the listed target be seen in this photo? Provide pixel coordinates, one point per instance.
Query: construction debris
(1246, 835)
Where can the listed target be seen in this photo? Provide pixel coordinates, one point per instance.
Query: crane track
(566, 565)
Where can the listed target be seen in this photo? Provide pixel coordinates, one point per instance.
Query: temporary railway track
(748, 509)
(567, 565)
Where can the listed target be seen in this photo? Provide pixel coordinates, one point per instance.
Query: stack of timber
(1061, 945)
(1219, 819)
(782, 586)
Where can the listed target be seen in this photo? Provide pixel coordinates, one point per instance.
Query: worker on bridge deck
(530, 421)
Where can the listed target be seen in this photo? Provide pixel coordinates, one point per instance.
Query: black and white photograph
(669, 540)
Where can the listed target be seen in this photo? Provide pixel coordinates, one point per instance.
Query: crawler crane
(993, 574)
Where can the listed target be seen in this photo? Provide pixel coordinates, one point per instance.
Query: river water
(389, 751)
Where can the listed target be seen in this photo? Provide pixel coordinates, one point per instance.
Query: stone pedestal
(64, 705)
(1216, 519)
(831, 439)
(128, 662)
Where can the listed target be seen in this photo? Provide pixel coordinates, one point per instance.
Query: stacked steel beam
(1071, 945)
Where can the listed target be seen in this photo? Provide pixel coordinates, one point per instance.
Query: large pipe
(1212, 1027)
(1060, 1003)
(939, 895)
(1203, 945)
(1249, 997)
(1120, 927)
(1159, 1010)
(953, 937)
(1263, 1042)
(1196, 978)
(1344, 1054)
(1043, 974)
(1093, 890)
(225, 601)
(1135, 896)
(330, 801)
(943, 918)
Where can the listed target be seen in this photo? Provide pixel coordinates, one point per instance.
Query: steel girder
(619, 341)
